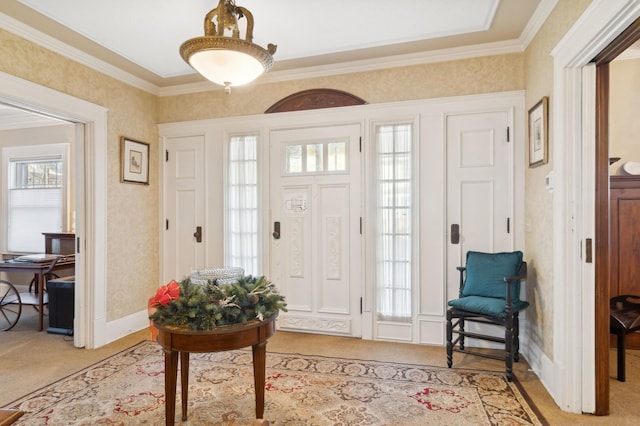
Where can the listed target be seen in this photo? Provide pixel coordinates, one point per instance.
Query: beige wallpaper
(456, 78)
(624, 104)
(132, 252)
(133, 256)
(538, 201)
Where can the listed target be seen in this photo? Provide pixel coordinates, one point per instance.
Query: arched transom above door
(315, 99)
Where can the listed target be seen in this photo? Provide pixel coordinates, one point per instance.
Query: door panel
(334, 287)
(184, 206)
(317, 259)
(479, 191)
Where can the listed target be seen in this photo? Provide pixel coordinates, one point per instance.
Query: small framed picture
(538, 133)
(135, 161)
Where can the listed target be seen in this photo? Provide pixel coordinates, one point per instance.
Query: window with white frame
(35, 193)
(394, 218)
(317, 157)
(242, 248)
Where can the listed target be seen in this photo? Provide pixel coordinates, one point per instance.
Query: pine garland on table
(205, 306)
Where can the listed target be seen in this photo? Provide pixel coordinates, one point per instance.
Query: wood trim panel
(315, 99)
(602, 241)
(602, 266)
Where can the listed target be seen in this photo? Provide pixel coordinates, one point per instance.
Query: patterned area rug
(128, 389)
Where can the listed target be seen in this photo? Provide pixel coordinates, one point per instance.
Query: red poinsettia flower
(166, 294)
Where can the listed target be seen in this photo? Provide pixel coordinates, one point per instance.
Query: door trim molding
(597, 27)
(94, 330)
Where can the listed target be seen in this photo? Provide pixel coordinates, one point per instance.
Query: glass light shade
(226, 67)
(227, 60)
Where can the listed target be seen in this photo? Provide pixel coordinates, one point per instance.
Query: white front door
(184, 207)
(316, 245)
(479, 188)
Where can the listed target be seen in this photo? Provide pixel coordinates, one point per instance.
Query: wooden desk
(178, 340)
(39, 271)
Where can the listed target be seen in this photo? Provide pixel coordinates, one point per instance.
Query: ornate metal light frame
(221, 55)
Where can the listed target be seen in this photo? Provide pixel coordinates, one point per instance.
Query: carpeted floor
(30, 360)
(128, 388)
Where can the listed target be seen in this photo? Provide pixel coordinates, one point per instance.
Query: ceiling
(138, 41)
(142, 37)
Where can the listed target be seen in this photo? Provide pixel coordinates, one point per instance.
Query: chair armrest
(522, 274)
(461, 269)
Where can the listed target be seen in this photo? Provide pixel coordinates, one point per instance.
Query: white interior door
(316, 249)
(78, 207)
(184, 206)
(479, 188)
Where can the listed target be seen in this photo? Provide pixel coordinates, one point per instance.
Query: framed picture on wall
(538, 133)
(135, 161)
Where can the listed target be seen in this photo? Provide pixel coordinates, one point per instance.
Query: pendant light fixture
(221, 55)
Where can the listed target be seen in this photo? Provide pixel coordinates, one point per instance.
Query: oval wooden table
(180, 340)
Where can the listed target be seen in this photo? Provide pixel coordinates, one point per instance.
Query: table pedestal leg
(170, 382)
(184, 379)
(259, 362)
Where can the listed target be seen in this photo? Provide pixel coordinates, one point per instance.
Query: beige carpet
(128, 388)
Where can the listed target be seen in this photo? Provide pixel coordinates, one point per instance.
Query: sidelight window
(394, 230)
(242, 249)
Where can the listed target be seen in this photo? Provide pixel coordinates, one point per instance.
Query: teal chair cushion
(486, 271)
(486, 305)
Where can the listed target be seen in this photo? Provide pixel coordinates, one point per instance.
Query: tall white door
(316, 241)
(479, 188)
(184, 246)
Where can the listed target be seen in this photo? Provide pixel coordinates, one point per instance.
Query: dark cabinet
(624, 248)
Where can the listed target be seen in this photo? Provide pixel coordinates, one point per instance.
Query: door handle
(276, 230)
(198, 234)
(455, 233)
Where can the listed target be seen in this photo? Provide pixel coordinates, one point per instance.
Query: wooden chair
(489, 294)
(624, 318)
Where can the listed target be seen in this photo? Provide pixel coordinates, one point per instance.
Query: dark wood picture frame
(539, 133)
(134, 162)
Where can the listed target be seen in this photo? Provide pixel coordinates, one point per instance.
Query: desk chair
(624, 318)
(489, 294)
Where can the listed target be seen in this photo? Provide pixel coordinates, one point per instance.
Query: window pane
(32, 212)
(336, 160)
(314, 157)
(394, 240)
(402, 166)
(293, 159)
(36, 174)
(402, 190)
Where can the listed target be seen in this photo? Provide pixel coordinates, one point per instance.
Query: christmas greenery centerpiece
(208, 305)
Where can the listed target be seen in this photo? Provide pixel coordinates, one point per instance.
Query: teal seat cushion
(486, 305)
(486, 272)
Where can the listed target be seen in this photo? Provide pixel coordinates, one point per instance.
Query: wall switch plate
(549, 181)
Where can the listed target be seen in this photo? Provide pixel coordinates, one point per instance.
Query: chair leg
(449, 340)
(621, 352)
(516, 338)
(508, 343)
(461, 338)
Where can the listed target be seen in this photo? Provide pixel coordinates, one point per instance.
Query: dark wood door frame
(602, 267)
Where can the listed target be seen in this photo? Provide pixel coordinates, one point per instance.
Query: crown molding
(31, 34)
(538, 19)
(398, 61)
